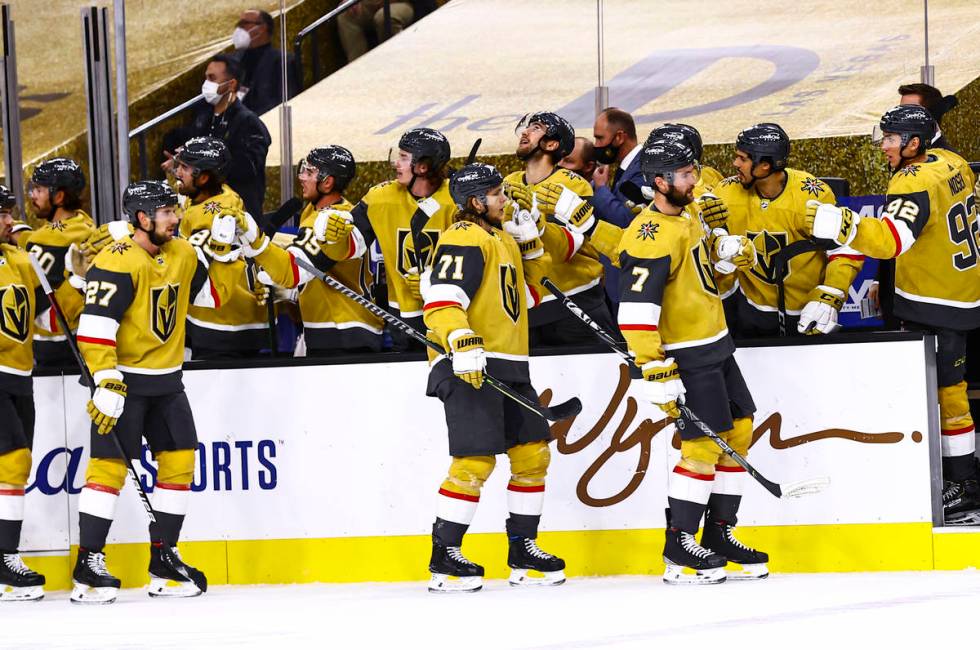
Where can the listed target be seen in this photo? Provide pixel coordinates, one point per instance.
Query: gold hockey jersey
(20, 294)
(198, 216)
(774, 224)
(930, 224)
(575, 265)
(135, 310)
(478, 282)
(708, 179)
(390, 215)
(50, 244)
(669, 303)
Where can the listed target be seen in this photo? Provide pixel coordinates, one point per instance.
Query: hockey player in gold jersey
(131, 335)
(544, 139)
(766, 202)
(477, 295)
(19, 294)
(332, 323)
(405, 216)
(55, 188)
(672, 318)
(708, 177)
(930, 226)
(240, 328)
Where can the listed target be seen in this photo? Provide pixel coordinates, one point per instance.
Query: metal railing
(140, 131)
(311, 30)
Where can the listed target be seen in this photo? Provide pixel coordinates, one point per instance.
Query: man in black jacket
(261, 63)
(226, 118)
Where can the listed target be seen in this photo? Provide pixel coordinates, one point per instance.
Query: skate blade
(531, 578)
(86, 595)
(970, 518)
(164, 588)
(747, 572)
(441, 583)
(9, 593)
(680, 575)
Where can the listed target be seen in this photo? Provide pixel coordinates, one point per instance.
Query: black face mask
(606, 155)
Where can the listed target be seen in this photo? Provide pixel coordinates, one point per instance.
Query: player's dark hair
(232, 67)
(620, 120)
(931, 99)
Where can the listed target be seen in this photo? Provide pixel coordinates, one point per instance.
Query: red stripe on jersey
(727, 468)
(101, 488)
(439, 304)
(456, 495)
(292, 263)
(898, 240)
(688, 473)
(525, 488)
(571, 244)
(214, 295)
(352, 248)
(95, 341)
(534, 295)
(11, 492)
(645, 328)
(956, 432)
(850, 257)
(180, 487)
(53, 321)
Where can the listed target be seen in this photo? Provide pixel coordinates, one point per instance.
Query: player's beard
(157, 239)
(190, 191)
(46, 213)
(678, 199)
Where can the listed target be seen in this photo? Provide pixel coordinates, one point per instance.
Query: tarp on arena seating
(820, 68)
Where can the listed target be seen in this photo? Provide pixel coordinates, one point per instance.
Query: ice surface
(785, 611)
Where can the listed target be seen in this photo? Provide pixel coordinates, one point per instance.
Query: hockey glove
(819, 315)
(107, 401)
(251, 238)
(570, 209)
(104, 235)
(522, 194)
(469, 359)
(713, 211)
(413, 279)
(828, 221)
(223, 238)
(77, 266)
(332, 226)
(733, 252)
(662, 385)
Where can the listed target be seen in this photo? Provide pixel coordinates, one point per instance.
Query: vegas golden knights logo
(419, 258)
(509, 292)
(767, 245)
(163, 310)
(15, 318)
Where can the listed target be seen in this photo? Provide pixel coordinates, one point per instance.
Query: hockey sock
(958, 438)
(92, 532)
(525, 491)
(10, 535)
(11, 516)
(170, 504)
(459, 496)
(448, 533)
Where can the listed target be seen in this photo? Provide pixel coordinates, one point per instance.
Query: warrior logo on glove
(14, 320)
(163, 312)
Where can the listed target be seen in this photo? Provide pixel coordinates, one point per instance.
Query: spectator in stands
(354, 24)
(260, 86)
(227, 119)
(615, 142)
(580, 160)
(933, 101)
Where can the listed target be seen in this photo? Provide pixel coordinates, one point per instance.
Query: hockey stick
(166, 555)
(554, 413)
(796, 489)
(476, 147)
(781, 270)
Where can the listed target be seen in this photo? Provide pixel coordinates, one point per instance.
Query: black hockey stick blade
(472, 155)
(562, 411)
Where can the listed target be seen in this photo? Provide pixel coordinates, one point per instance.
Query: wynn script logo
(627, 436)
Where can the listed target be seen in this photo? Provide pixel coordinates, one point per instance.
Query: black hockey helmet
(909, 121)
(473, 180)
(683, 132)
(205, 154)
(147, 196)
(555, 126)
(59, 174)
(765, 142)
(332, 160)
(424, 143)
(663, 158)
(7, 199)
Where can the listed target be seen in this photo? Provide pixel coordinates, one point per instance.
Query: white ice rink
(853, 610)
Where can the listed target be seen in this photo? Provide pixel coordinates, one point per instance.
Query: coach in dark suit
(615, 142)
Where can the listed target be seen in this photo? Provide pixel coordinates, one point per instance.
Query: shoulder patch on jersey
(909, 170)
(813, 186)
(58, 225)
(119, 247)
(731, 180)
(212, 207)
(648, 230)
(462, 225)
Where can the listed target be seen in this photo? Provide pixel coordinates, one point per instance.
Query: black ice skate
(718, 536)
(172, 577)
(961, 503)
(17, 581)
(93, 582)
(682, 551)
(451, 572)
(525, 556)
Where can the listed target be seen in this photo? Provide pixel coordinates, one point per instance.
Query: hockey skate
(17, 581)
(525, 556)
(451, 572)
(718, 536)
(961, 503)
(682, 551)
(166, 581)
(93, 583)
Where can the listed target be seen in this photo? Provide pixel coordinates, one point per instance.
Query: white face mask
(240, 38)
(210, 91)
